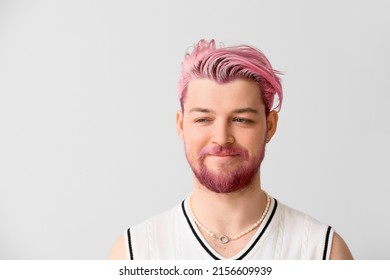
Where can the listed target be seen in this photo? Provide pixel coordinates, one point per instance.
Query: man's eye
(201, 120)
(242, 120)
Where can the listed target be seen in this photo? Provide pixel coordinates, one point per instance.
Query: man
(227, 116)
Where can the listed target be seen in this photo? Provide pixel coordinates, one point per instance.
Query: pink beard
(227, 181)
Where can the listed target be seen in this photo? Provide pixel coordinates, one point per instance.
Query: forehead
(239, 93)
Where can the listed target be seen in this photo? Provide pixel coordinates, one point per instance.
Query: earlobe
(179, 123)
(272, 123)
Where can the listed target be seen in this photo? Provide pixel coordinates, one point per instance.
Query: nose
(222, 134)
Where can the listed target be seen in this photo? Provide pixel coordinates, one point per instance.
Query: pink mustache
(223, 151)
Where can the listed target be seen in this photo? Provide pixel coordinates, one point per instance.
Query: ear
(179, 123)
(272, 123)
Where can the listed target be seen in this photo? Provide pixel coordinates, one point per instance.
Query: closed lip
(223, 155)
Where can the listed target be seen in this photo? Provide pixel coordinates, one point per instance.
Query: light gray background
(88, 144)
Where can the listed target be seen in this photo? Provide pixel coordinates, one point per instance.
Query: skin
(222, 115)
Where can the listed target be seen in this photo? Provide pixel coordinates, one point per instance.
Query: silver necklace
(224, 238)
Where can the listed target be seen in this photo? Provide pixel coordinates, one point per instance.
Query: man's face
(224, 129)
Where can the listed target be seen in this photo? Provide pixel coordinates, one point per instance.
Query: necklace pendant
(224, 239)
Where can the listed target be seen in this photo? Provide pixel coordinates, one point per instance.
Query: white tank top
(285, 233)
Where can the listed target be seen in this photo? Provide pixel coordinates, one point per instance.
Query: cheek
(195, 136)
(253, 143)
(193, 143)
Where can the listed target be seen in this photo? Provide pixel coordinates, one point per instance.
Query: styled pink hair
(225, 64)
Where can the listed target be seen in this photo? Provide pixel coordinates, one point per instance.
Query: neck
(228, 213)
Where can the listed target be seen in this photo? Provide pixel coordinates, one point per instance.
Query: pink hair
(225, 64)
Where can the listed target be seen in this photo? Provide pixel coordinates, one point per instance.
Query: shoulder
(118, 251)
(318, 240)
(296, 218)
(153, 227)
(339, 249)
(158, 222)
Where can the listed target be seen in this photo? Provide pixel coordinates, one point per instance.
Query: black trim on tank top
(129, 242)
(194, 232)
(249, 249)
(326, 247)
(262, 232)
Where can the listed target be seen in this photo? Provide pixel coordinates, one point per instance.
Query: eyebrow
(246, 110)
(238, 111)
(202, 110)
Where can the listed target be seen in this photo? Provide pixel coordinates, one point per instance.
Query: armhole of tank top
(129, 248)
(328, 243)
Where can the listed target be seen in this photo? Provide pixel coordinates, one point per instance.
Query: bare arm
(339, 250)
(118, 251)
